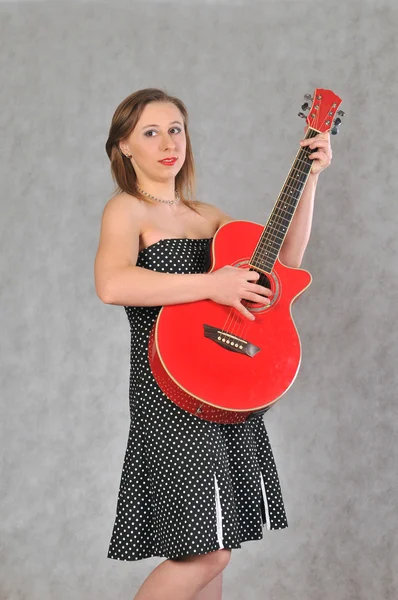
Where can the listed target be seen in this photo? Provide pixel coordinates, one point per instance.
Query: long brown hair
(124, 120)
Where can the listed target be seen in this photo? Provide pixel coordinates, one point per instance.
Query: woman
(190, 489)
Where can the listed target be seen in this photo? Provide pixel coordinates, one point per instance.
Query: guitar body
(215, 363)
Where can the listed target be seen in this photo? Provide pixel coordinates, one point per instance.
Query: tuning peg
(336, 126)
(307, 97)
(305, 106)
(302, 115)
(341, 113)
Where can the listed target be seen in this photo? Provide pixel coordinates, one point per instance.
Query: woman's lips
(168, 162)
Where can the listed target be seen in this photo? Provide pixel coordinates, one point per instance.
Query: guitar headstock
(325, 105)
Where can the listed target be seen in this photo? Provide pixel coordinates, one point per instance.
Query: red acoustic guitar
(207, 357)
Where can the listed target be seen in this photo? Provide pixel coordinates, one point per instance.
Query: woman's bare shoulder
(124, 201)
(210, 211)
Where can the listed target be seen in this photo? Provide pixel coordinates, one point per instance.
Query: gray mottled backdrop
(242, 69)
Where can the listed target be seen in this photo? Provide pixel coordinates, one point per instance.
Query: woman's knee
(203, 568)
(220, 558)
(215, 561)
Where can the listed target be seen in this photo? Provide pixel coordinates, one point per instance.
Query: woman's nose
(168, 142)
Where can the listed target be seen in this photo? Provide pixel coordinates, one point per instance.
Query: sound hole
(262, 280)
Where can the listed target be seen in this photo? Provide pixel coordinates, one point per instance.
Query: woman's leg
(212, 591)
(184, 578)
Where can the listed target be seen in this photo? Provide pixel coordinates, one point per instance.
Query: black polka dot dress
(188, 486)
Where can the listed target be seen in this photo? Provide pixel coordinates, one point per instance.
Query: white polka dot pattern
(188, 486)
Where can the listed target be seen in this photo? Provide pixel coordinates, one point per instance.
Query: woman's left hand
(323, 157)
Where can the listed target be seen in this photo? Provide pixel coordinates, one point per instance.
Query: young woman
(190, 489)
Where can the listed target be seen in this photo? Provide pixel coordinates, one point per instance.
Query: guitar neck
(277, 226)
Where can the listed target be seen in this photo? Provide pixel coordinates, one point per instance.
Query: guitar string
(279, 214)
(234, 316)
(301, 160)
(235, 323)
(305, 163)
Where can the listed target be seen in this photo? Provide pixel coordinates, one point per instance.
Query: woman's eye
(153, 131)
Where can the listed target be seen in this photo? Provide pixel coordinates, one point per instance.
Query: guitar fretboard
(275, 230)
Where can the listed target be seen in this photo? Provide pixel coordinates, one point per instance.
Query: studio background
(242, 69)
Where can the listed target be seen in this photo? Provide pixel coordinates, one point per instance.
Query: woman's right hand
(229, 285)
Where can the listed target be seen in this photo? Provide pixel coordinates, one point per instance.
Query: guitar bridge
(230, 342)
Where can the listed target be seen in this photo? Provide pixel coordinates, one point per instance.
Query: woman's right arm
(117, 278)
(119, 281)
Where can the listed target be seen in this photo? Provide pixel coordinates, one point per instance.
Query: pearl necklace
(175, 201)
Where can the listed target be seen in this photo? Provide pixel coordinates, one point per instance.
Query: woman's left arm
(296, 240)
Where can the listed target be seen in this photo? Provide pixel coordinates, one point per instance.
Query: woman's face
(159, 134)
